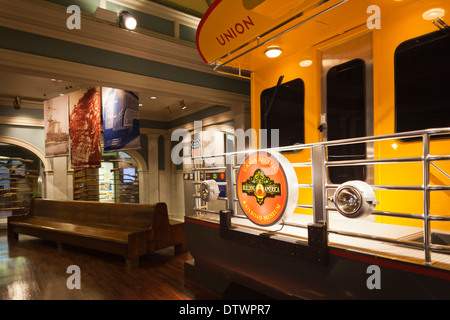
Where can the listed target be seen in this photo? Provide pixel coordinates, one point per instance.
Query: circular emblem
(267, 188)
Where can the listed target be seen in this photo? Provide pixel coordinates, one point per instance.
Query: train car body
(355, 91)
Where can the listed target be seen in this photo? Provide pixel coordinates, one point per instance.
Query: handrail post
(318, 182)
(426, 198)
(230, 177)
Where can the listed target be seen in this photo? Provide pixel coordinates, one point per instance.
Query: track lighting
(127, 21)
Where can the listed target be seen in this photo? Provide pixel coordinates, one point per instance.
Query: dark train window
(282, 107)
(346, 118)
(422, 91)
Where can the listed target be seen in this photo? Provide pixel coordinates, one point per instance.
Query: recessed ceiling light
(305, 63)
(153, 98)
(435, 13)
(273, 52)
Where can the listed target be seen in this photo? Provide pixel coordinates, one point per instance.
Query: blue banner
(120, 120)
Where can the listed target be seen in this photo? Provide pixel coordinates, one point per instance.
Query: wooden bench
(130, 230)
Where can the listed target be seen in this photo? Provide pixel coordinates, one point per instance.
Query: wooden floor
(35, 270)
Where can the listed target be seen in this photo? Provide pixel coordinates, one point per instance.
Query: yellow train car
(349, 193)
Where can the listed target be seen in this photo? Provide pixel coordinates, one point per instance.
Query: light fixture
(355, 199)
(168, 111)
(306, 63)
(153, 98)
(126, 20)
(183, 105)
(209, 190)
(17, 103)
(433, 14)
(273, 52)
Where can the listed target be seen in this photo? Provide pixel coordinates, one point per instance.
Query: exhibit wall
(159, 57)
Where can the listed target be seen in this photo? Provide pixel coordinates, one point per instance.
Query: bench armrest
(19, 217)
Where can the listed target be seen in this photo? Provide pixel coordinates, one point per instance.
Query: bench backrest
(139, 216)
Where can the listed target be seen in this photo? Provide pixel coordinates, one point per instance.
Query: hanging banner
(121, 129)
(56, 127)
(85, 129)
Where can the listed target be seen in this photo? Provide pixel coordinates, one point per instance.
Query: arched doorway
(23, 175)
(122, 177)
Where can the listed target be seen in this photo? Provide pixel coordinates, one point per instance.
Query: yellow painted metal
(400, 21)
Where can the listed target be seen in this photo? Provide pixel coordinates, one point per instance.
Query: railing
(321, 187)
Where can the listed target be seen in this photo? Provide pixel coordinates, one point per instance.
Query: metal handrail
(320, 205)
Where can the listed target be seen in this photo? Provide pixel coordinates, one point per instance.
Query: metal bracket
(315, 251)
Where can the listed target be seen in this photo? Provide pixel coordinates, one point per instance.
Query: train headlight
(355, 199)
(209, 190)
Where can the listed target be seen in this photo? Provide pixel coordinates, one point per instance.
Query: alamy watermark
(374, 21)
(74, 20)
(215, 145)
(374, 280)
(74, 280)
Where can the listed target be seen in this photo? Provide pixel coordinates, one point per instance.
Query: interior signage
(267, 188)
(233, 32)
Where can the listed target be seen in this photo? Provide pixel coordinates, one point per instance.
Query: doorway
(347, 106)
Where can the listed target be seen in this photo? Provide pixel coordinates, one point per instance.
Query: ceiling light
(435, 13)
(355, 199)
(126, 20)
(183, 105)
(153, 98)
(306, 63)
(273, 52)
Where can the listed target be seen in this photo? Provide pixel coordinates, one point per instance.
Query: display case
(86, 183)
(18, 184)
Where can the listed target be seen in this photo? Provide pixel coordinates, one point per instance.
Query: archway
(24, 174)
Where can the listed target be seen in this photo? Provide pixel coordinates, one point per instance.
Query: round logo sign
(267, 188)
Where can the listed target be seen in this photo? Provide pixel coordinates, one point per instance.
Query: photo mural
(85, 128)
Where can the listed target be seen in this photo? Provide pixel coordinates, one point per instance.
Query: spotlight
(273, 52)
(126, 20)
(209, 190)
(355, 199)
(183, 105)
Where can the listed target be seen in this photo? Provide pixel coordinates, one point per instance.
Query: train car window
(282, 107)
(422, 71)
(346, 117)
